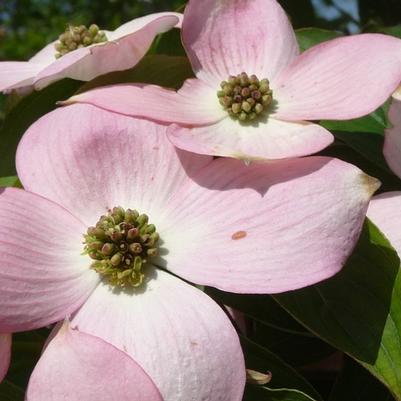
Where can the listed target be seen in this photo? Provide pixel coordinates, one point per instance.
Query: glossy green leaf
(357, 384)
(308, 37)
(10, 392)
(259, 393)
(375, 123)
(168, 71)
(359, 310)
(262, 360)
(12, 181)
(27, 111)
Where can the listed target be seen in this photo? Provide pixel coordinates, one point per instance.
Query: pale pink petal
(118, 54)
(392, 139)
(195, 103)
(385, 211)
(266, 139)
(339, 79)
(43, 276)
(228, 37)
(181, 337)
(90, 160)
(268, 227)
(79, 367)
(16, 74)
(164, 24)
(5, 354)
(238, 317)
(45, 56)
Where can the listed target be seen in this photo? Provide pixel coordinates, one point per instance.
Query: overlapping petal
(126, 46)
(43, 276)
(392, 139)
(17, 74)
(181, 338)
(339, 80)
(5, 354)
(124, 50)
(195, 103)
(385, 211)
(291, 211)
(90, 160)
(79, 367)
(271, 139)
(230, 36)
(267, 227)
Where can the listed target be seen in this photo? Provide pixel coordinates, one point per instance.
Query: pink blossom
(123, 49)
(265, 228)
(5, 354)
(338, 79)
(392, 139)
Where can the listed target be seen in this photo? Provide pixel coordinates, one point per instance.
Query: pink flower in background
(114, 51)
(5, 354)
(254, 92)
(266, 228)
(392, 139)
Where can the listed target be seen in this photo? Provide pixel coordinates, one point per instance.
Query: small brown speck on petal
(239, 235)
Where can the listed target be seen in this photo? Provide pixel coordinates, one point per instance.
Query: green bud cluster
(245, 97)
(76, 37)
(120, 245)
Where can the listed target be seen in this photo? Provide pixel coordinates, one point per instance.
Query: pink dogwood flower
(5, 354)
(392, 138)
(254, 94)
(84, 54)
(113, 216)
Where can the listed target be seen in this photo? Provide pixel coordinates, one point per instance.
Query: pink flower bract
(266, 228)
(125, 48)
(340, 79)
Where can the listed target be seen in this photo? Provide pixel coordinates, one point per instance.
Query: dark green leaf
(27, 111)
(392, 30)
(375, 123)
(169, 71)
(359, 310)
(10, 392)
(262, 360)
(308, 37)
(357, 384)
(12, 181)
(257, 393)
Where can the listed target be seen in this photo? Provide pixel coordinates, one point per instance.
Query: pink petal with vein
(336, 79)
(266, 139)
(79, 367)
(180, 336)
(195, 103)
(228, 37)
(43, 276)
(267, 227)
(16, 74)
(90, 160)
(120, 53)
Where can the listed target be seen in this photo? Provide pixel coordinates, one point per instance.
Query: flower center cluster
(120, 245)
(245, 97)
(76, 37)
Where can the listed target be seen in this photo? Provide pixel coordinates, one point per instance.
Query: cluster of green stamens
(245, 97)
(76, 37)
(120, 245)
